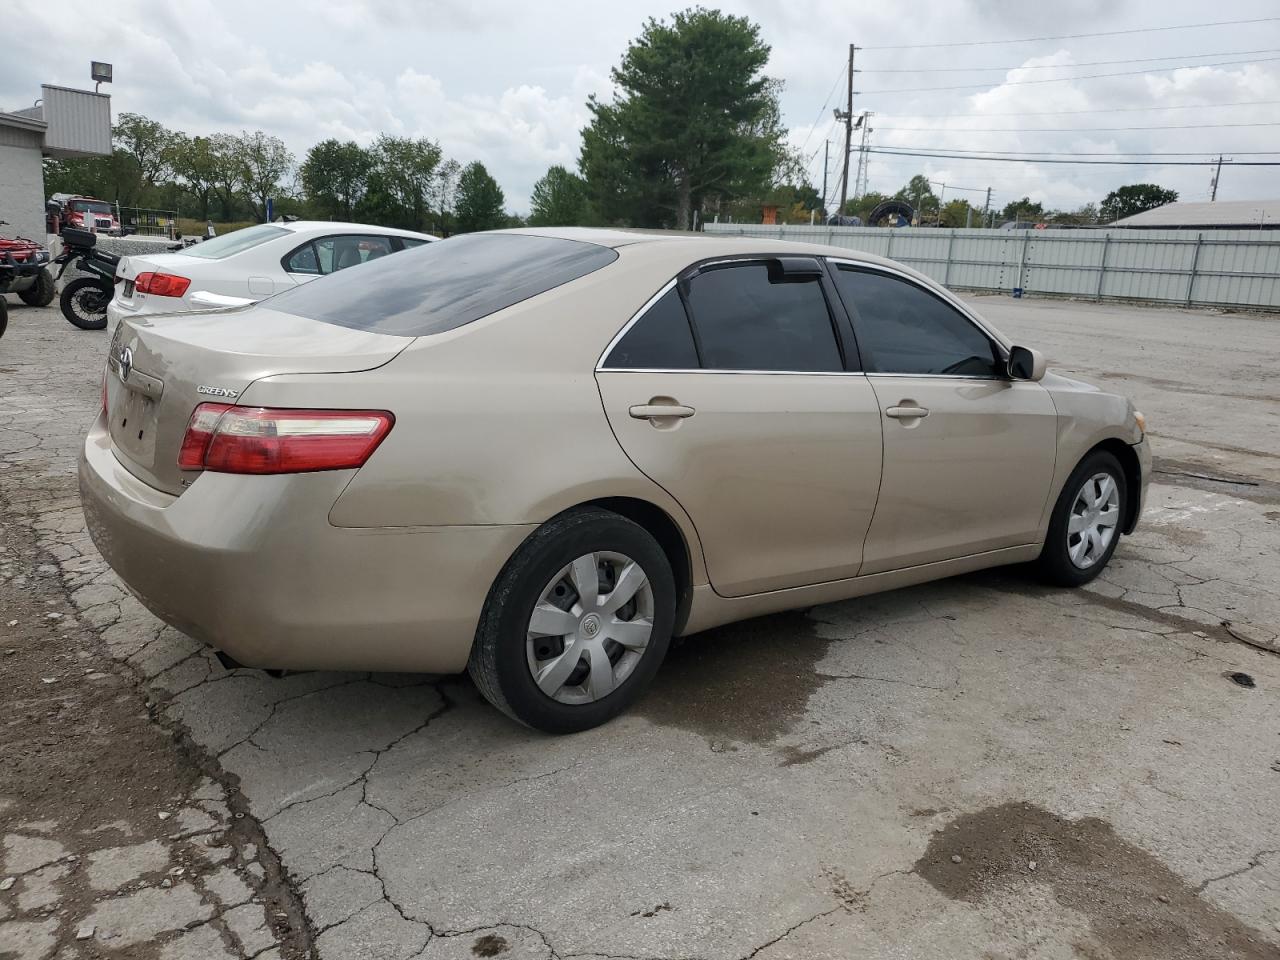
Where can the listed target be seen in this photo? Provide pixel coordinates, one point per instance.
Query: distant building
(63, 123)
(1223, 215)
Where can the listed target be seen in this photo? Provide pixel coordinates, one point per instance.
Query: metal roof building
(1224, 215)
(63, 123)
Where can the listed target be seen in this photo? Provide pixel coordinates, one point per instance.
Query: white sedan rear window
(219, 248)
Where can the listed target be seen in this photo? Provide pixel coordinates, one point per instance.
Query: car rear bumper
(252, 566)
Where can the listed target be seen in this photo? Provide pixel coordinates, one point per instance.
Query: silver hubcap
(590, 627)
(1094, 516)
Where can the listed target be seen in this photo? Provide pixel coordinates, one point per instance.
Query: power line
(823, 109)
(1062, 66)
(1097, 153)
(1087, 76)
(1109, 163)
(1071, 36)
(1066, 113)
(1183, 126)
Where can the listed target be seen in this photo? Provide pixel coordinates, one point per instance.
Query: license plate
(128, 288)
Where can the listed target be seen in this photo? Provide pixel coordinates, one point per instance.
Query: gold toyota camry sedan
(537, 455)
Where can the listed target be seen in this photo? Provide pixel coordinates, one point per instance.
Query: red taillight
(161, 284)
(230, 439)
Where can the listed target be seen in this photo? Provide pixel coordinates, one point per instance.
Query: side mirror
(1026, 364)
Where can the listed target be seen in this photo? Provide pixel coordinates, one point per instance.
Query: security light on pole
(99, 73)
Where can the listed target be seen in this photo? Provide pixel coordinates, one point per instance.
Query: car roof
(700, 246)
(340, 226)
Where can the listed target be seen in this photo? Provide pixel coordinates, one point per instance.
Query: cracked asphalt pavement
(977, 768)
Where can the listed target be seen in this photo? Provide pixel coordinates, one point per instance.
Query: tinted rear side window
(660, 340)
(444, 285)
(744, 322)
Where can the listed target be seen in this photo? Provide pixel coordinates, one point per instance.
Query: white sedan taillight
(226, 438)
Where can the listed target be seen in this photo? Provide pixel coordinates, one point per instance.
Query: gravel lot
(979, 768)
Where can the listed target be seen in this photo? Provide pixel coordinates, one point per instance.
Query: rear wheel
(4, 315)
(41, 293)
(1086, 522)
(577, 623)
(84, 302)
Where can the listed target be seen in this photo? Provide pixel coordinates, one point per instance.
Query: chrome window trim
(941, 292)
(670, 284)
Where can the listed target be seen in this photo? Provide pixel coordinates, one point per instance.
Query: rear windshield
(237, 241)
(440, 286)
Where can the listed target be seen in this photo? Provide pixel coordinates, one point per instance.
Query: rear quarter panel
(499, 421)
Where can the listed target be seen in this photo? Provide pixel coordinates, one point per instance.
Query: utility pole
(826, 155)
(986, 206)
(847, 117)
(1213, 187)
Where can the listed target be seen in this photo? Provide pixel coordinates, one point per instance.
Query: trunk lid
(128, 269)
(160, 368)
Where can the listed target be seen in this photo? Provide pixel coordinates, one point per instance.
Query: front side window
(747, 318)
(903, 328)
(229, 244)
(659, 340)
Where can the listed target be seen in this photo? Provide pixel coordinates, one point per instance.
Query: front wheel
(84, 302)
(1086, 522)
(577, 623)
(41, 293)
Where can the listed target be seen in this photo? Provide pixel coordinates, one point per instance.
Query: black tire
(499, 659)
(4, 315)
(1055, 565)
(84, 303)
(41, 293)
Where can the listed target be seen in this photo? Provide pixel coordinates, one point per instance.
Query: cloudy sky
(505, 82)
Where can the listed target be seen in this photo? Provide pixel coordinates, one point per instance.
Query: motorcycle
(84, 300)
(23, 271)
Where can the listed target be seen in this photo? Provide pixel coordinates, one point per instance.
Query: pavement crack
(859, 676)
(1254, 861)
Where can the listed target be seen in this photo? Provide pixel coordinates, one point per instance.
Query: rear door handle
(660, 411)
(907, 413)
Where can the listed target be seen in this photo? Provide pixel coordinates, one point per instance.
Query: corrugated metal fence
(1238, 268)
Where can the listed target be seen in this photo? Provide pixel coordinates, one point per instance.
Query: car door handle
(907, 412)
(660, 411)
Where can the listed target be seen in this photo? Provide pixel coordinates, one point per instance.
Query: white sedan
(247, 265)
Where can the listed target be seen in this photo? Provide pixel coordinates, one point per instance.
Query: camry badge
(217, 392)
(126, 363)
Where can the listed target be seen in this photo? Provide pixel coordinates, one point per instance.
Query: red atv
(23, 271)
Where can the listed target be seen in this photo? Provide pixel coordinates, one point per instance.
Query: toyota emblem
(126, 362)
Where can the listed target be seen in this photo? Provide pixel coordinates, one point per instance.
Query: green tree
(1135, 198)
(335, 176)
(228, 172)
(443, 196)
(1023, 209)
(954, 213)
(264, 163)
(559, 200)
(919, 193)
(479, 205)
(693, 119)
(147, 142)
(194, 164)
(403, 172)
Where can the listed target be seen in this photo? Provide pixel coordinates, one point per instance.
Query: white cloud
(505, 82)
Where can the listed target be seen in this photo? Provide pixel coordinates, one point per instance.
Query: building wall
(21, 187)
